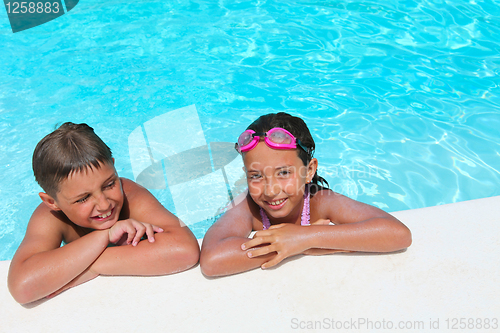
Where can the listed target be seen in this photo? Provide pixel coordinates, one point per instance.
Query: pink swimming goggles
(278, 138)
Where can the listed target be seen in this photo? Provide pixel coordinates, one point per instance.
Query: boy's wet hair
(298, 128)
(70, 148)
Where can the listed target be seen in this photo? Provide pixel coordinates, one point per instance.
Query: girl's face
(276, 180)
(92, 198)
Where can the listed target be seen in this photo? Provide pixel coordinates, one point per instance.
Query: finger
(254, 242)
(150, 232)
(273, 262)
(140, 230)
(261, 233)
(157, 229)
(260, 251)
(322, 222)
(131, 232)
(277, 226)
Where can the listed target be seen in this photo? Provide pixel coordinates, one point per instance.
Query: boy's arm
(174, 250)
(358, 227)
(221, 252)
(41, 267)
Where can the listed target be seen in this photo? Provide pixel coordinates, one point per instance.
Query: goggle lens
(280, 137)
(245, 138)
(277, 137)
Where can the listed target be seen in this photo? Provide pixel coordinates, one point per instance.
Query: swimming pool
(401, 97)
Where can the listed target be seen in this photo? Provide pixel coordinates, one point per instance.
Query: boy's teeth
(103, 216)
(276, 203)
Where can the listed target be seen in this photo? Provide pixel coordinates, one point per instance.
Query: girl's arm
(358, 227)
(221, 252)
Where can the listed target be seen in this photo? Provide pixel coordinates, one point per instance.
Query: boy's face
(92, 198)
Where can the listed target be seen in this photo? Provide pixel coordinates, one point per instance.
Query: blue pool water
(401, 97)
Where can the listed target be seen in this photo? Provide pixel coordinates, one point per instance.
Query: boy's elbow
(20, 291)
(185, 256)
(404, 238)
(191, 254)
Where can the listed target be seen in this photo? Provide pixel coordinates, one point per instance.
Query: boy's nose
(103, 203)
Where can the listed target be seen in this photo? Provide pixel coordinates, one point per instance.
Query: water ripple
(402, 97)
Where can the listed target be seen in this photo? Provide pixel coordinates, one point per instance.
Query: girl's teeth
(103, 216)
(276, 203)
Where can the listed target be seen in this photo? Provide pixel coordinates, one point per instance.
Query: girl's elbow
(208, 265)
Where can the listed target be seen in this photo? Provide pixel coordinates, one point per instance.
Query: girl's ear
(49, 201)
(311, 169)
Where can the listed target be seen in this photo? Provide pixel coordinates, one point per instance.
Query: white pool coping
(450, 272)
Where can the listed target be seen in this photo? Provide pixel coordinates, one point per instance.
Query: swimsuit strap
(304, 219)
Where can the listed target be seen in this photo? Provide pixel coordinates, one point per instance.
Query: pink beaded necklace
(304, 219)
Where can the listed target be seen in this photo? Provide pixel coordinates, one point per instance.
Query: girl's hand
(285, 239)
(131, 231)
(320, 252)
(322, 222)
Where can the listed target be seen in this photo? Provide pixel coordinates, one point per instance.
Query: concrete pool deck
(450, 272)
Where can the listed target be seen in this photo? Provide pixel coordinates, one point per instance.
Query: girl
(288, 207)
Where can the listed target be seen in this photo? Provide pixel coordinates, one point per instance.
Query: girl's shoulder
(239, 217)
(323, 194)
(325, 203)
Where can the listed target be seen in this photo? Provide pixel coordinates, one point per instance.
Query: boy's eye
(110, 184)
(82, 199)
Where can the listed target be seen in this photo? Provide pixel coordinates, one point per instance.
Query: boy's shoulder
(45, 222)
(132, 190)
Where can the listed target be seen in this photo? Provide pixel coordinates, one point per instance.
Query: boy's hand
(285, 239)
(87, 275)
(134, 230)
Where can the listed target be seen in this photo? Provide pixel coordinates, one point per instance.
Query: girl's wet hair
(70, 148)
(298, 128)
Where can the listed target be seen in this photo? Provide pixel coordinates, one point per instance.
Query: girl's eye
(284, 173)
(255, 176)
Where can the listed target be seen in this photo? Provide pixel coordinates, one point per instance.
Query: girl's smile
(277, 204)
(276, 181)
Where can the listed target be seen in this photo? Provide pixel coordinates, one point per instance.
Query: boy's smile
(92, 198)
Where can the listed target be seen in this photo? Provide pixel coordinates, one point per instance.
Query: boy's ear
(49, 201)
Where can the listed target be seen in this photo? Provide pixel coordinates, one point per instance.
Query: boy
(88, 207)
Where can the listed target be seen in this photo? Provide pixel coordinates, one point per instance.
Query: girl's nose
(272, 188)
